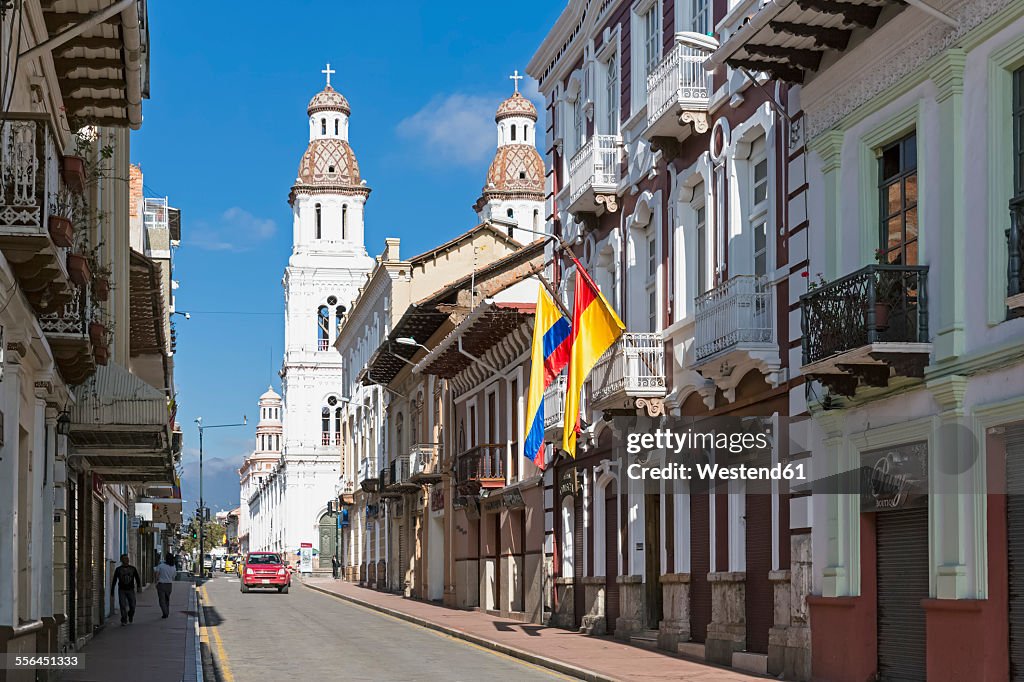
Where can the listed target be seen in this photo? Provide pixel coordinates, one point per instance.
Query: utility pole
(202, 504)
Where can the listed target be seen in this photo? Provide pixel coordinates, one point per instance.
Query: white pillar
(10, 401)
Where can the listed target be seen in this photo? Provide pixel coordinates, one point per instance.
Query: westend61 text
(716, 472)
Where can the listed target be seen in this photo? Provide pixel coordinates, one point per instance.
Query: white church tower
(514, 190)
(253, 529)
(327, 266)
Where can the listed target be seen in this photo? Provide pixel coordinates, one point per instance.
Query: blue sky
(222, 137)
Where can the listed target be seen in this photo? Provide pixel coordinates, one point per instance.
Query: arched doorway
(328, 535)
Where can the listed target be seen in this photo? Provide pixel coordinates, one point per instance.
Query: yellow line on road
(222, 656)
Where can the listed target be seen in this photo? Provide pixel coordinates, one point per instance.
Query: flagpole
(559, 243)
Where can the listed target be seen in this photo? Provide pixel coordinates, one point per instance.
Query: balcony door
(897, 178)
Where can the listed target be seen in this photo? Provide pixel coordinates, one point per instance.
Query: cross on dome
(329, 71)
(515, 78)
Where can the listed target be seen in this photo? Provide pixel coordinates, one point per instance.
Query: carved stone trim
(698, 119)
(609, 201)
(655, 407)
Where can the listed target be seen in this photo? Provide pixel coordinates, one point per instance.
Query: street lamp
(202, 506)
(409, 341)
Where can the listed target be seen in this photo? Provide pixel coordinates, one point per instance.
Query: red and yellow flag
(595, 327)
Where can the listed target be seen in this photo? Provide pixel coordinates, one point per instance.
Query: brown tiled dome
(328, 99)
(516, 105)
(516, 168)
(329, 161)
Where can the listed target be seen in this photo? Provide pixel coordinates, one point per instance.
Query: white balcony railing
(594, 166)
(737, 311)
(633, 367)
(680, 79)
(554, 403)
(423, 459)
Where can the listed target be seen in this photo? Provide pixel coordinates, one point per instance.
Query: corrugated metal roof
(113, 395)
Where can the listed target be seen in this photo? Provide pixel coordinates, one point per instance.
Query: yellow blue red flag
(550, 354)
(595, 327)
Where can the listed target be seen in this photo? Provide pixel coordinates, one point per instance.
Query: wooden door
(652, 558)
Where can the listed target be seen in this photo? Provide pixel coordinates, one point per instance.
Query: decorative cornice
(948, 73)
(890, 71)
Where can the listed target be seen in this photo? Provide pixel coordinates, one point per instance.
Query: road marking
(222, 656)
(445, 635)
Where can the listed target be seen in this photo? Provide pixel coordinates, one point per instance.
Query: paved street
(269, 636)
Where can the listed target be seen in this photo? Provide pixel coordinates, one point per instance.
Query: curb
(205, 653)
(535, 659)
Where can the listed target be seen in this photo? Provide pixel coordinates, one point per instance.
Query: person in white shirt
(165, 575)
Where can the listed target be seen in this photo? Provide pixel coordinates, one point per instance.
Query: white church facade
(327, 266)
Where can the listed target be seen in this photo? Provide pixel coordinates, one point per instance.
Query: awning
(788, 38)
(486, 326)
(120, 426)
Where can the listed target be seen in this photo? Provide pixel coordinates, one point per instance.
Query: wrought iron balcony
(71, 339)
(30, 235)
(1015, 260)
(594, 175)
(424, 461)
(678, 90)
(866, 327)
(634, 367)
(554, 405)
(397, 476)
(482, 466)
(368, 480)
(735, 331)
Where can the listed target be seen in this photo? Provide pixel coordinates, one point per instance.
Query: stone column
(631, 606)
(727, 631)
(675, 626)
(10, 494)
(564, 613)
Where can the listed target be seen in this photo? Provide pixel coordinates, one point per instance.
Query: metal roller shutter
(96, 591)
(902, 545)
(1015, 545)
(700, 565)
(611, 559)
(759, 600)
(577, 563)
(402, 549)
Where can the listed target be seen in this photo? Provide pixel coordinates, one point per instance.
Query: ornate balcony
(68, 333)
(368, 482)
(594, 176)
(479, 467)
(678, 92)
(867, 327)
(425, 465)
(29, 188)
(1015, 253)
(554, 406)
(630, 374)
(735, 332)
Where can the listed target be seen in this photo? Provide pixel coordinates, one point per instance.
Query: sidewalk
(591, 658)
(151, 648)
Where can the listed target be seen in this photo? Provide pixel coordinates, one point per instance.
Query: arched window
(526, 132)
(344, 221)
(319, 220)
(336, 123)
(399, 428)
(536, 219)
(513, 132)
(337, 426)
(325, 426)
(323, 126)
(339, 316)
(323, 329)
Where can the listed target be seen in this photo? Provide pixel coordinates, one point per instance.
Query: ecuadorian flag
(550, 354)
(595, 327)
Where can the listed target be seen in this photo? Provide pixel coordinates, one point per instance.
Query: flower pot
(102, 355)
(101, 288)
(72, 172)
(62, 231)
(97, 331)
(881, 316)
(78, 269)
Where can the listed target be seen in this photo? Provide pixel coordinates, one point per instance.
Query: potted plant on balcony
(100, 282)
(60, 223)
(72, 171)
(78, 269)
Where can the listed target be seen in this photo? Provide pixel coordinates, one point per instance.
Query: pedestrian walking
(126, 579)
(165, 575)
(335, 566)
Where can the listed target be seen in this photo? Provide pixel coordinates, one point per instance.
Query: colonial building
(664, 179)
(906, 222)
(257, 466)
(327, 266)
(88, 402)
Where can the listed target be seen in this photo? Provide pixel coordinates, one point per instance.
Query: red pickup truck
(265, 569)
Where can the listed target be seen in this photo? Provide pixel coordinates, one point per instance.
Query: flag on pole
(550, 354)
(595, 327)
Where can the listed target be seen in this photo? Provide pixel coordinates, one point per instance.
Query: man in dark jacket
(126, 579)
